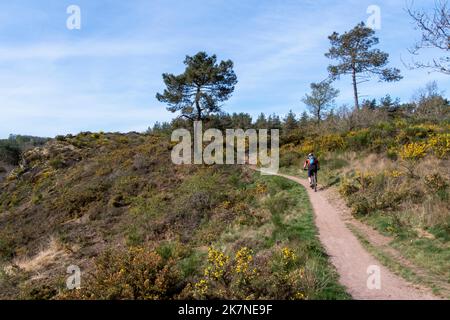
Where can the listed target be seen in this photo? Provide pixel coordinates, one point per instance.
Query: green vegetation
(438, 284)
(385, 258)
(11, 148)
(392, 169)
(272, 254)
(142, 228)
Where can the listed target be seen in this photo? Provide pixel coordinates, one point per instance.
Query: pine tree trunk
(355, 90)
(197, 105)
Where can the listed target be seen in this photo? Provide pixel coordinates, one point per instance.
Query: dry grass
(47, 256)
(430, 210)
(431, 164)
(372, 162)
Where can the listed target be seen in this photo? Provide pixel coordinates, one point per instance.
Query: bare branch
(435, 28)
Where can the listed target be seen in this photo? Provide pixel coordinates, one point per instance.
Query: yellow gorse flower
(218, 261)
(226, 204)
(261, 188)
(201, 287)
(288, 255)
(307, 146)
(299, 296)
(440, 144)
(395, 174)
(331, 142)
(414, 151)
(243, 259)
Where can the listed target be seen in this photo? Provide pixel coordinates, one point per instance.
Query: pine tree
(321, 99)
(198, 91)
(304, 119)
(290, 121)
(261, 122)
(355, 56)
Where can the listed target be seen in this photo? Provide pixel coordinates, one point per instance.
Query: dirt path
(352, 260)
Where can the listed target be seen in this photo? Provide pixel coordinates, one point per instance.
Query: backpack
(312, 161)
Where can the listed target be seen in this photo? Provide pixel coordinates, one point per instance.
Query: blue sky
(105, 76)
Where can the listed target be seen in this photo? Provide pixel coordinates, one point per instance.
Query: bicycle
(313, 180)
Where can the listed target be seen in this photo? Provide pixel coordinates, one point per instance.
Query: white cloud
(85, 48)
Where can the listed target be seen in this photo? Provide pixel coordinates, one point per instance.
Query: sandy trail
(352, 260)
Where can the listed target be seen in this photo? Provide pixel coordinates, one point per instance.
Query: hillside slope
(140, 227)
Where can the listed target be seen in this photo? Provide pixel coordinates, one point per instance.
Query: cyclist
(312, 164)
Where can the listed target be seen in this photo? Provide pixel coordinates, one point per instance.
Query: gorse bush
(290, 158)
(359, 139)
(440, 144)
(413, 151)
(331, 142)
(240, 277)
(136, 273)
(395, 138)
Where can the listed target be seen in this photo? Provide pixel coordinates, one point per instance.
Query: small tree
(321, 98)
(241, 120)
(290, 122)
(199, 90)
(369, 104)
(304, 119)
(390, 106)
(261, 122)
(435, 28)
(430, 103)
(274, 122)
(388, 103)
(355, 57)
